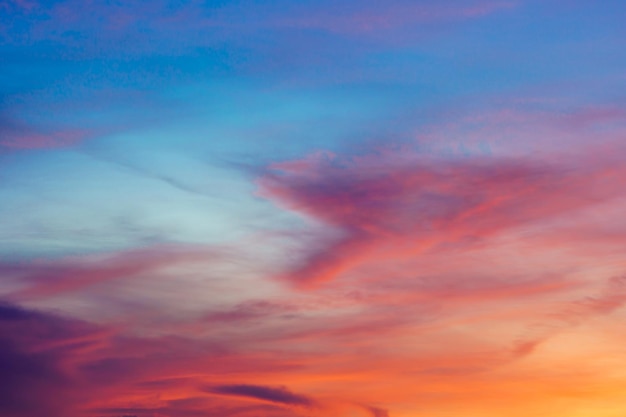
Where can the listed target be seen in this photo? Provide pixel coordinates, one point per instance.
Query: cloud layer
(312, 209)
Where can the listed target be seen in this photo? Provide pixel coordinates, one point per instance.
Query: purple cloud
(36, 351)
(280, 395)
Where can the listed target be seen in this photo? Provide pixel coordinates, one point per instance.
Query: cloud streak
(279, 395)
(49, 278)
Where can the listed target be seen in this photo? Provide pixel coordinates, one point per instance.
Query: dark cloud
(54, 366)
(378, 412)
(31, 384)
(9, 312)
(198, 407)
(34, 350)
(280, 395)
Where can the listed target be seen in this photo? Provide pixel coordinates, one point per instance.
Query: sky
(346, 208)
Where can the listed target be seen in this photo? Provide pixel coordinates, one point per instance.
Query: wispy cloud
(365, 18)
(574, 313)
(160, 19)
(48, 278)
(280, 395)
(385, 204)
(34, 352)
(18, 136)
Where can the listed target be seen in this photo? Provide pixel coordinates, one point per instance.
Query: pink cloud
(523, 127)
(34, 140)
(389, 207)
(362, 19)
(49, 278)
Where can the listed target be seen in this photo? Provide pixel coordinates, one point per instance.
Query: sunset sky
(314, 208)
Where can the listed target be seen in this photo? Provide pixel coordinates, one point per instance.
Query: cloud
(369, 18)
(44, 141)
(197, 407)
(49, 278)
(377, 412)
(171, 181)
(9, 312)
(527, 126)
(610, 298)
(35, 351)
(249, 311)
(15, 135)
(60, 367)
(31, 385)
(386, 206)
(26, 5)
(353, 17)
(280, 395)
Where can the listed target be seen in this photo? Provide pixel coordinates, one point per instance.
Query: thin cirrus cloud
(363, 18)
(47, 279)
(17, 135)
(523, 126)
(351, 17)
(35, 140)
(610, 298)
